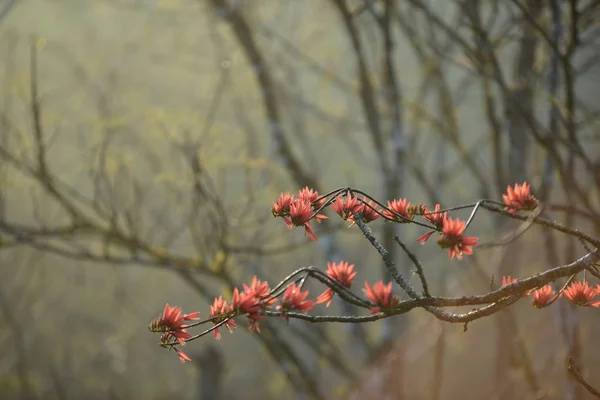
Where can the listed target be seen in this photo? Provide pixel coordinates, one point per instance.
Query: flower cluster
(171, 325)
(294, 299)
(342, 273)
(453, 238)
(581, 294)
(519, 198)
(221, 313)
(382, 296)
(299, 211)
(578, 293)
(436, 218)
(256, 301)
(399, 210)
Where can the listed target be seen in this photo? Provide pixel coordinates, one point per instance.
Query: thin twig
(577, 375)
(418, 265)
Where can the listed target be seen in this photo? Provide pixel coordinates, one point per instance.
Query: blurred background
(142, 143)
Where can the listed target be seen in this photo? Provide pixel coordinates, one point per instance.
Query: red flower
(281, 208)
(368, 212)
(294, 299)
(220, 309)
(343, 274)
(436, 218)
(402, 207)
(246, 303)
(347, 207)
(300, 213)
(311, 196)
(381, 295)
(252, 301)
(519, 198)
(582, 294)
(171, 322)
(452, 238)
(260, 290)
(543, 296)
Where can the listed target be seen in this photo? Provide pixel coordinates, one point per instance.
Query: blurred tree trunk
(566, 315)
(519, 105)
(388, 137)
(299, 171)
(211, 366)
(394, 173)
(10, 316)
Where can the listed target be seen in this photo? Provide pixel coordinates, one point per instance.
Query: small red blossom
(248, 304)
(294, 299)
(436, 218)
(281, 208)
(260, 290)
(368, 211)
(219, 312)
(312, 196)
(544, 296)
(343, 273)
(245, 303)
(300, 213)
(171, 322)
(519, 198)
(251, 301)
(381, 295)
(347, 207)
(325, 297)
(452, 238)
(399, 206)
(582, 294)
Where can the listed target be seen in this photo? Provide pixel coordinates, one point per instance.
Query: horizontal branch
(494, 301)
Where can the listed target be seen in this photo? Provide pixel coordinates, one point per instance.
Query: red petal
(182, 356)
(423, 238)
(309, 232)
